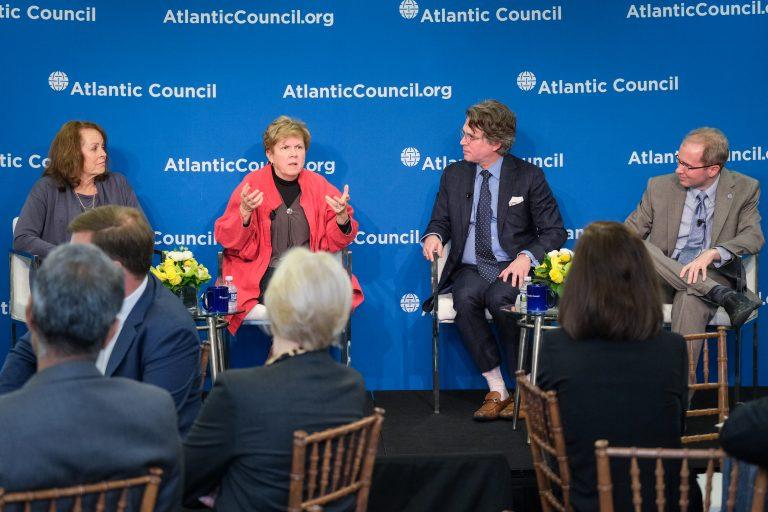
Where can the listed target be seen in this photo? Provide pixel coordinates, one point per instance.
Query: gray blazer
(736, 221)
(69, 425)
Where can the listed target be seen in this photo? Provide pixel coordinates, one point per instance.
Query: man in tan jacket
(696, 223)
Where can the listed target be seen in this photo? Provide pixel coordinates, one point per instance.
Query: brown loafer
(508, 413)
(492, 406)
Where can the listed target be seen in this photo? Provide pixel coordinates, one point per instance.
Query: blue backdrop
(604, 92)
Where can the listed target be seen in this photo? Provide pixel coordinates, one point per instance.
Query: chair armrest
(346, 260)
(34, 259)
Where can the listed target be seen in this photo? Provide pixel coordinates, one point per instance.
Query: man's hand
(699, 265)
(432, 244)
(516, 271)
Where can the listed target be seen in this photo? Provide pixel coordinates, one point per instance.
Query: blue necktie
(695, 243)
(486, 263)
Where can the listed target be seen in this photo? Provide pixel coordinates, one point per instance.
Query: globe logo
(526, 81)
(58, 80)
(410, 157)
(409, 9)
(409, 302)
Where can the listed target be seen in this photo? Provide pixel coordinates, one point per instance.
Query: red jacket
(247, 250)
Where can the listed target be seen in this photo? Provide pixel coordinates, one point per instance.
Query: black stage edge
(449, 462)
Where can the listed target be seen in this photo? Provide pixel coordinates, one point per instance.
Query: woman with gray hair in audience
(242, 439)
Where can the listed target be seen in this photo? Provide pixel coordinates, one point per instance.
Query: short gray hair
(309, 298)
(76, 295)
(715, 145)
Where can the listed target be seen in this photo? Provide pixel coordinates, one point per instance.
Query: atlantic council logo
(58, 80)
(409, 9)
(526, 81)
(409, 302)
(410, 157)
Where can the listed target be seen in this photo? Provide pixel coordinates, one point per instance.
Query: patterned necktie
(486, 262)
(695, 242)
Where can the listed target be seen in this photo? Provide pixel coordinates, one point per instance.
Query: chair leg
(754, 359)
(520, 366)
(737, 368)
(436, 362)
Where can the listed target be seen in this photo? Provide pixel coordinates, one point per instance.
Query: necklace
(85, 209)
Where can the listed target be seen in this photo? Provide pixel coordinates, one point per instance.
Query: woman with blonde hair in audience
(242, 439)
(617, 374)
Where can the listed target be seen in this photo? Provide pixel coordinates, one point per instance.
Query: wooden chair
(348, 454)
(711, 456)
(547, 445)
(720, 384)
(746, 279)
(78, 493)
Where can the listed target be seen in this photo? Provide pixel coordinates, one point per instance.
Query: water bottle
(232, 306)
(523, 295)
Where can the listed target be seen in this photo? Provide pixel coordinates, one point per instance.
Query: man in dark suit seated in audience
(69, 424)
(156, 341)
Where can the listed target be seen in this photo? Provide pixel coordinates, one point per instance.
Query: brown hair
(66, 154)
(284, 127)
(715, 145)
(121, 232)
(612, 291)
(496, 121)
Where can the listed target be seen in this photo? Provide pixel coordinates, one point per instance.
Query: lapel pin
(730, 195)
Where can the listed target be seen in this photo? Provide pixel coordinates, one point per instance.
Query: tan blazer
(736, 221)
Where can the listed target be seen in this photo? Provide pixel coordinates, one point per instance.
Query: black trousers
(471, 296)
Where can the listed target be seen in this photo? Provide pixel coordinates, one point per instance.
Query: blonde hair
(282, 128)
(715, 145)
(308, 299)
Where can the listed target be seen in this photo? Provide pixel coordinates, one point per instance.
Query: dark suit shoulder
(459, 167)
(521, 166)
(282, 374)
(166, 311)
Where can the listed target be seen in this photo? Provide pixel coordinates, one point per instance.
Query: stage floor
(412, 428)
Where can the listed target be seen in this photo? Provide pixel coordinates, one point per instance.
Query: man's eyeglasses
(691, 167)
(469, 137)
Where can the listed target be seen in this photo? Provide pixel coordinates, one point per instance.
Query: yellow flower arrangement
(180, 269)
(553, 270)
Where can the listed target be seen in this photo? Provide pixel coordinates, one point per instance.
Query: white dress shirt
(128, 303)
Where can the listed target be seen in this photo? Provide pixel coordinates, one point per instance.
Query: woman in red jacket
(280, 206)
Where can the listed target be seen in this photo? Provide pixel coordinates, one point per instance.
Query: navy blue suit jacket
(70, 425)
(158, 344)
(533, 224)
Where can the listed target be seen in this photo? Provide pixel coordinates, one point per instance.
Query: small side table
(537, 322)
(215, 325)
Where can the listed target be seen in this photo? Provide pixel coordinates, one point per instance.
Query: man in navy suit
(156, 342)
(70, 425)
(501, 217)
